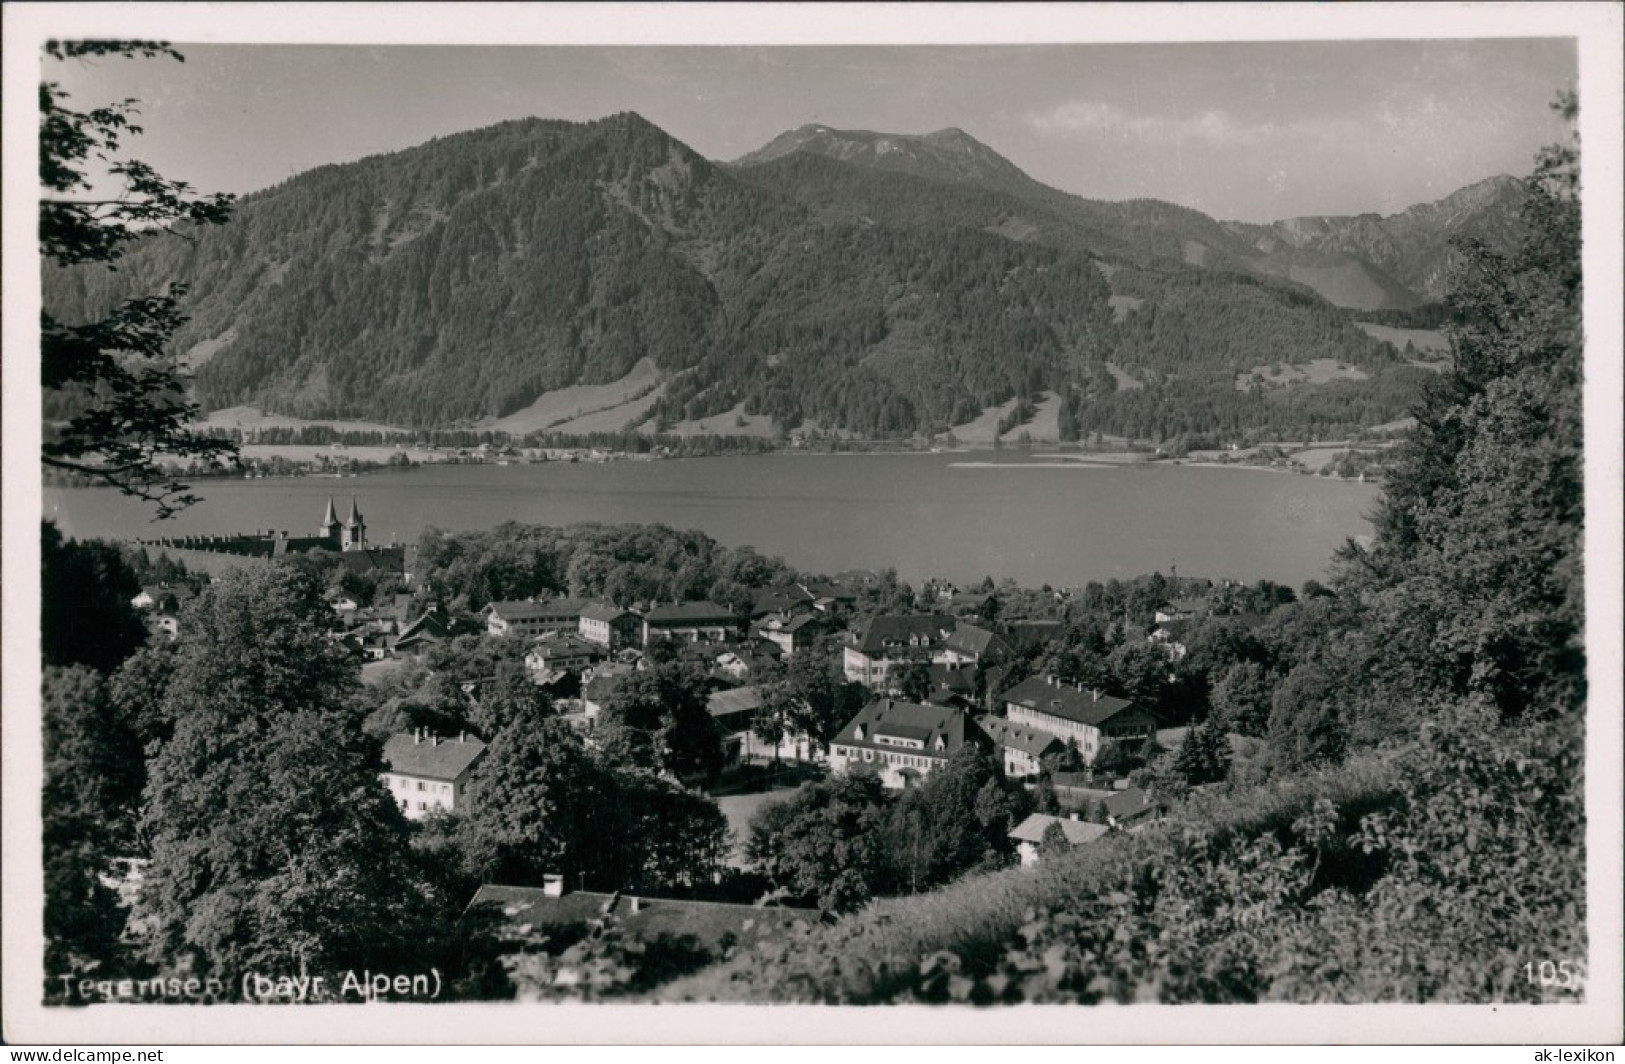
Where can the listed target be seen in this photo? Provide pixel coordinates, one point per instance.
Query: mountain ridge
(1365, 261)
(454, 282)
(1411, 246)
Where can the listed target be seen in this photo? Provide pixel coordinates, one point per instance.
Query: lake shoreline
(921, 514)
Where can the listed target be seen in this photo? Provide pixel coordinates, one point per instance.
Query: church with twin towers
(351, 535)
(346, 538)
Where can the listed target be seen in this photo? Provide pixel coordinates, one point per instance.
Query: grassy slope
(1045, 425)
(873, 955)
(554, 409)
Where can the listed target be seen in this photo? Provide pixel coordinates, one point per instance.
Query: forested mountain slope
(891, 292)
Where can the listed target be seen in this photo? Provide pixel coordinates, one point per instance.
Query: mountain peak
(949, 154)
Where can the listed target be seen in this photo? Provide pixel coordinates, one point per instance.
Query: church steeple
(329, 528)
(355, 529)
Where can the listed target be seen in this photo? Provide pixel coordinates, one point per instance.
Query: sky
(1251, 131)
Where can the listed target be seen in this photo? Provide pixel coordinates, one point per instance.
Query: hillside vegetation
(1420, 833)
(479, 278)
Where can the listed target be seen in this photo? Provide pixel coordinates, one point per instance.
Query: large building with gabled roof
(1077, 713)
(902, 742)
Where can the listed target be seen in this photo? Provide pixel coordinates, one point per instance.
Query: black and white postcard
(517, 515)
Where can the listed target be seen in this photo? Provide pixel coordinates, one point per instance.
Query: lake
(959, 516)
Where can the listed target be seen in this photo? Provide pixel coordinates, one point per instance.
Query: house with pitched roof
(886, 642)
(970, 644)
(610, 626)
(734, 709)
(900, 741)
(1183, 609)
(425, 773)
(1022, 748)
(690, 622)
(787, 599)
(1131, 808)
(793, 632)
(598, 684)
(1072, 711)
(1029, 834)
(421, 634)
(531, 618)
(561, 653)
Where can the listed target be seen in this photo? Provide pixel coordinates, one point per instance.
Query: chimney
(1074, 814)
(434, 740)
(462, 737)
(1094, 694)
(417, 736)
(637, 905)
(553, 885)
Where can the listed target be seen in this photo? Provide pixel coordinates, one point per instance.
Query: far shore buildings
(425, 773)
(347, 539)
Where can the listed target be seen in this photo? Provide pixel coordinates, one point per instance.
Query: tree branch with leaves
(130, 408)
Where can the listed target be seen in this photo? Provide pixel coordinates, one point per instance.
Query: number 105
(1566, 975)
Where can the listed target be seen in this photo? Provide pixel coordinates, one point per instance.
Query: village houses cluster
(580, 650)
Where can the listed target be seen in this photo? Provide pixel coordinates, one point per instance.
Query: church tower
(329, 528)
(355, 529)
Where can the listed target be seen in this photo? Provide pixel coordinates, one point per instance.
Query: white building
(900, 741)
(1074, 712)
(425, 772)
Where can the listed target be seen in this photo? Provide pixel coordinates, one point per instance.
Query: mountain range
(866, 283)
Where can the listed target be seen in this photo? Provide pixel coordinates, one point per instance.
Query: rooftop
(1071, 702)
(907, 629)
(1030, 741)
(1130, 803)
(735, 700)
(1193, 604)
(598, 611)
(432, 758)
(1077, 831)
(978, 642)
(692, 613)
(526, 609)
(906, 720)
